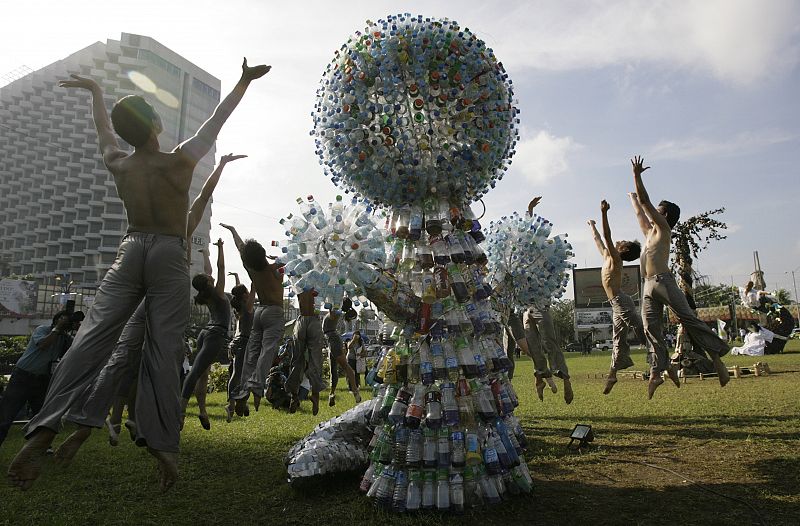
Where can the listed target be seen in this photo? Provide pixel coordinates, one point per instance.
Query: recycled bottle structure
(445, 436)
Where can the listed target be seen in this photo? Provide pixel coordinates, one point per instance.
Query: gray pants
(149, 266)
(660, 290)
(265, 338)
(307, 355)
(541, 337)
(116, 378)
(624, 317)
(210, 343)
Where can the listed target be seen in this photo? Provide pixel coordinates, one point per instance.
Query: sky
(706, 91)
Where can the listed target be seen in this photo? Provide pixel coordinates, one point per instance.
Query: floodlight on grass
(583, 434)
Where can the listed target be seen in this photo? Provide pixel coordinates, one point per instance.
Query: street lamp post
(794, 282)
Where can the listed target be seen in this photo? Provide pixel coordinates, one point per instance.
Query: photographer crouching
(31, 374)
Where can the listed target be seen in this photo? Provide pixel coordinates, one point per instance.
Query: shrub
(218, 378)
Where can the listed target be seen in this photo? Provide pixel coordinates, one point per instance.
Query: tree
(713, 295)
(689, 238)
(783, 297)
(563, 314)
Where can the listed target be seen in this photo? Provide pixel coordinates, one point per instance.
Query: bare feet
(130, 425)
(656, 379)
(357, 395)
(204, 421)
(256, 401)
(294, 404)
(314, 403)
(167, 467)
(552, 384)
(568, 394)
(239, 406)
(25, 467)
(331, 399)
(229, 412)
(113, 432)
(722, 372)
(673, 375)
(611, 381)
(68, 448)
(540, 385)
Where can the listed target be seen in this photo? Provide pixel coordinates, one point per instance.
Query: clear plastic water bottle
(415, 223)
(473, 495)
(414, 491)
(397, 413)
(428, 490)
(450, 361)
(414, 413)
(456, 492)
(414, 449)
(400, 493)
(449, 404)
(425, 365)
(437, 357)
(458, 457)
(442, 490)
(401, 437)
(376, 475)
(490, 457)
(429, 449)
(488, 489)
(443, 449)
(385, 490)
(368, 478)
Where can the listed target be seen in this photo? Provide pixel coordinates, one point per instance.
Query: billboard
(587, 319)
(17, 298)
(589, 291)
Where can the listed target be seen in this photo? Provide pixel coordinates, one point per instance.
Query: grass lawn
(695, 455)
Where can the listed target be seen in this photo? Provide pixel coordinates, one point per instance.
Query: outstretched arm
(220, 285)
(535, 201)
(195, 148)
(207, 268)
(598, 241)
(200, 202)
(109, 147)
(236, 238)
(644, 198)
(641, 217)
(612, 250)
(235, 277)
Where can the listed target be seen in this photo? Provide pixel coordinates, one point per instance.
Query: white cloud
(700, 147)
(543, 156)
(742, 41)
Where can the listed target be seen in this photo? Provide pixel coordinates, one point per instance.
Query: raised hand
(604, 206)
(535, 201)
(255, 72)
(632, 195)
(79, 82)
(229, 227)
(591, 222)
(219, 242)
(638, 165)
(230, 157)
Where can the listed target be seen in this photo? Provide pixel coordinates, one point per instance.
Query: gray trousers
(624, 317)
(541, 337)
(210, 343)
(265, 338)
(661, 290)
(116, 378)
(149, 266)
(307, 355)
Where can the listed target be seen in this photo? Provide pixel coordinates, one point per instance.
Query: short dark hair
(200, 284)
(630, 250)
(672, 212)
(58, 316)
(253, 255)
(133, 119)
(238, 293)
(239, 290)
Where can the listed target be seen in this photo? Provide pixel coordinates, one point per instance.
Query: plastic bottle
(414, 412)
(433, 408)
(488, 489)
(441, 282)
(368, 478)
(376, 475)
(388, 399)
(414, 449)
(442, 490)
(401, 436)
(415, 223)
(397, 413)
(472, 491)
(385, 489)
(441, 253)
(400, 494)
(414, 491)
(472, 445)
(437, 357)
(424, 256)
(490, 457)
(456, 492)
(426, 364)
(429, 448)
(449, 404)
(428, 490)
(455, 249)
(443, 449)
(402, 225)
(376, 418)
(458, 457)
(457, 283)
(433, 221)
(450, 361)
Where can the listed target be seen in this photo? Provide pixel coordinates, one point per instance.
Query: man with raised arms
(624, 311)
(151, 263)
(660, 288)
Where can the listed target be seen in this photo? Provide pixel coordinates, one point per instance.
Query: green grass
(740, 441)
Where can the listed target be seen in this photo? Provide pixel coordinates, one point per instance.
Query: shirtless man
(151, 263)
(661, 289)
(267, 330)
(307, 353)
(624, 311)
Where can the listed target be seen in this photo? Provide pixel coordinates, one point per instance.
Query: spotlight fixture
(583, 434)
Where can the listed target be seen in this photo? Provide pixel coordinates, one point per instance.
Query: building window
(205, 89)
(149, 56)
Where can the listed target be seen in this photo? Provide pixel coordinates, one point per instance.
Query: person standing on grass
(151, 264)
(355, 349)
(213, 337)
(660, 288)
(267, 330)
(336, 356)
(243, 303)
(623, 310)
(306, 354)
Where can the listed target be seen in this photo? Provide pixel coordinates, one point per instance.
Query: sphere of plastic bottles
(412, 107)
(323, 244)
(527, 266)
